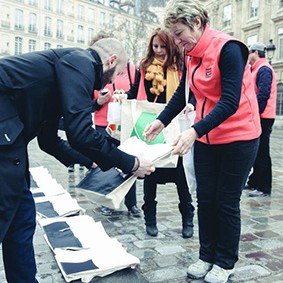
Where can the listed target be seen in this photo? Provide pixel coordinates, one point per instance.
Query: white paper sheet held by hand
(153, 152)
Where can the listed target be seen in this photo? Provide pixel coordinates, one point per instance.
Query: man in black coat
(36, 90)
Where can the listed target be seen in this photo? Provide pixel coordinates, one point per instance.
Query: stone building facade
(253, 21)
(31, 25)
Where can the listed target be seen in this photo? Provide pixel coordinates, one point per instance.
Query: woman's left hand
(184, 142)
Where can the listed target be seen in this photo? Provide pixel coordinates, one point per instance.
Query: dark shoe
(106, 211)
(135, 211)
(71, 168)
(257, 193)
(187, 231)
(151, 230)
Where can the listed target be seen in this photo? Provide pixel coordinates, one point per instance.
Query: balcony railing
(5, 24)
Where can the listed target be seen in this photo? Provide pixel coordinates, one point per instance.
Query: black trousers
(17, 246)
(221, 172)
(261, 178)
(163, 176)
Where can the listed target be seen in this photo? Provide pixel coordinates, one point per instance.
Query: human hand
(142, 167)
(103, 98)
(184, 142)
(119, 95)
(189, 108)
(152, 130)
(94, 165)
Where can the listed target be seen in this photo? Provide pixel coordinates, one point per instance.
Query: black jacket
(36, 90)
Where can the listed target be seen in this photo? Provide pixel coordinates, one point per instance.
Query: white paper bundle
(77, 232)
(153, 152)
(59, 205)
(100, 261)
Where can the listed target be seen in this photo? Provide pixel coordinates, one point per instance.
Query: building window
(18, 45)
(59, 32)
(59, 46)
(70, 31)
(102, 19)
(32, 2)
(111, 20)
(47, 46)
(80, 34)
(47, 26)
(19, 22)
(281, 4)
(31, 45)
(227, 16)
(279, 104)
(254, 8)
(32, 22)
(80, 12)
(90, 34)
(60, 7)
(280, 43)
(4, 44)
(47, 4)
(91, 15)
(251, 40)
(5, 18)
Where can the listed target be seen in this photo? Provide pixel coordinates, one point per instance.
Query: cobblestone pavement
(166, 257)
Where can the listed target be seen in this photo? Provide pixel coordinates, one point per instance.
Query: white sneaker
(199, 269)
(257, 193)
(218, 274)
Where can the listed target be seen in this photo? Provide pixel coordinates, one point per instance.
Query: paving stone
(165, 258)
(165, 274)
(249, 272)
(163, 261)
(169, 250)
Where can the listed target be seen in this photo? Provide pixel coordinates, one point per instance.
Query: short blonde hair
(185, 11)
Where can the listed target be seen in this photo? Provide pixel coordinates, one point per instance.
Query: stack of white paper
(49, 196)
(82, 248)
(86, 251)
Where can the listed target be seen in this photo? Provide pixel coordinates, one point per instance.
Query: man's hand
(102, 99)
(152, 130)
(142, 167)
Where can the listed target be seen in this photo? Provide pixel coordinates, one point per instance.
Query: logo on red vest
(208, 73)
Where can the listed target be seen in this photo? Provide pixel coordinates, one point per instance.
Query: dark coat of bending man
(36, 89)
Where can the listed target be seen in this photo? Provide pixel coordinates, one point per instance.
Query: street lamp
(270, 49)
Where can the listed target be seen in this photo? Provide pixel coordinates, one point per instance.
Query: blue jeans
(17, 246)
(221, 172)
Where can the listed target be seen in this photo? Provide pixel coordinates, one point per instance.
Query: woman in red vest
(225, 132)
(158, 78)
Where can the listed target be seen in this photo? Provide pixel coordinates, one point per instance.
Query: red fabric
(270, 109)
(121, 82)
(205, 82)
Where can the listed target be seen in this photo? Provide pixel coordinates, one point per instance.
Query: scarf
(155, 72)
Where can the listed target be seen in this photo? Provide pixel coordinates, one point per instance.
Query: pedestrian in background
(225, 132)
(163, 58)
(260, 181)
(36, 90)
